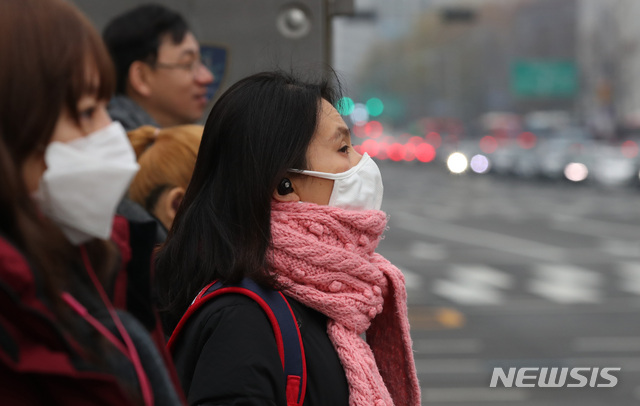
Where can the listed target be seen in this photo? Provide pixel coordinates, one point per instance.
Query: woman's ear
(285, 192)
(175, 196)
(139, 78)
(167, 206)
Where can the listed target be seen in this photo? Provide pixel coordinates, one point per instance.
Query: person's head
(259, 129)
(166, 158)
(158, 64)
(55, 81)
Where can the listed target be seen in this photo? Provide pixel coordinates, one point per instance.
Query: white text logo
(554, 377)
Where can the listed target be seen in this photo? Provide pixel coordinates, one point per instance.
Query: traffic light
(345, 106)
(375, 107)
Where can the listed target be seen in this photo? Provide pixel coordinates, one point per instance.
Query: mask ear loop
(129, 348)
(335, 176)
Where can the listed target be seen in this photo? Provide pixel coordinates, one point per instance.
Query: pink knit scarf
(324, 256)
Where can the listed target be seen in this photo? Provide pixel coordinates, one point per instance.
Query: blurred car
(611, 167)
(518, 156)
(504, 157)
(561, 148)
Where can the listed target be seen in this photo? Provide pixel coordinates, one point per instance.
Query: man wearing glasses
(161, 79)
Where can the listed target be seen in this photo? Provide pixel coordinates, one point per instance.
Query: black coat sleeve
(227, 355)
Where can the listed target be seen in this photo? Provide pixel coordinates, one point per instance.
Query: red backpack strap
(284, 324)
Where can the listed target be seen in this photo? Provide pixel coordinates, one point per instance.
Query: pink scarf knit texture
(324, 256)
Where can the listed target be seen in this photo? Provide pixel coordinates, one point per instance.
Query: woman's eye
(87, 113)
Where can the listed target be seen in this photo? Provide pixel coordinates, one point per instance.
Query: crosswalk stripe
(630, 277)
(429, 252)
(565, 283)
(477, 284)
(447, 346)
(606, 344)
(473, 395)
(621, 248)
(477, 237)
(473, 284)
(595, 228)
(412, 280)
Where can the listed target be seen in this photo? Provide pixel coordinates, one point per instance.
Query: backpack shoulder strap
(284, 324)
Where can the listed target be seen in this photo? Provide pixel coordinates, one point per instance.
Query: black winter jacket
(227, 355)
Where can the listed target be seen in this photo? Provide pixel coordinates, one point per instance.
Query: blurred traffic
(542, 145)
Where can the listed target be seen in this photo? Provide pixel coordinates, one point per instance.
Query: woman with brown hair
(63, 168)
(166, 158)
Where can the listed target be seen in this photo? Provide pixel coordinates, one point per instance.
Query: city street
(507, 273)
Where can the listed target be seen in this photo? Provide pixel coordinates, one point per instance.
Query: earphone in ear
(284, 187)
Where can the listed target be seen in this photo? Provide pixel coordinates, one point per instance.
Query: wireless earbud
(284, 188)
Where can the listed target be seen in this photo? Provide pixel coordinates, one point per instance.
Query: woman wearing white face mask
(284, 214)
(63, 168)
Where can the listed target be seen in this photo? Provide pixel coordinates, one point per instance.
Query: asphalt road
(513, 274)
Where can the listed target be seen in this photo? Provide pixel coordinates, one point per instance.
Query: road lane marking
(595, 228)
(544, 307)
(480, 238)
(606, 344)
(412, 280)
(473, 285)
(448, 346)
(473, 395)
(443, 211)
(626, 364)
(621, 248)
(429, 252)
(435, 318)
(451, 366)
(566, 284)
(478, 366)
(629, 277)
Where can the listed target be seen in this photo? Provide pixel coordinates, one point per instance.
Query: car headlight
(576, 172)
(457, 162)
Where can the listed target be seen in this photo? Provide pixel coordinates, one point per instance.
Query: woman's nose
(355, 158)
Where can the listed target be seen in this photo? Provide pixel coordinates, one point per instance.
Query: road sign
(215, 58)
(544, 78)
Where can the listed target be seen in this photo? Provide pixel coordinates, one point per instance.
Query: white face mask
(85, 180)
(359, 188)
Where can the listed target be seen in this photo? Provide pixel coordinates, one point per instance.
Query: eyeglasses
(192, 66)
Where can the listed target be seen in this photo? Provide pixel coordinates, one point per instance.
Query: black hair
(258, 129)
(137, 34)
